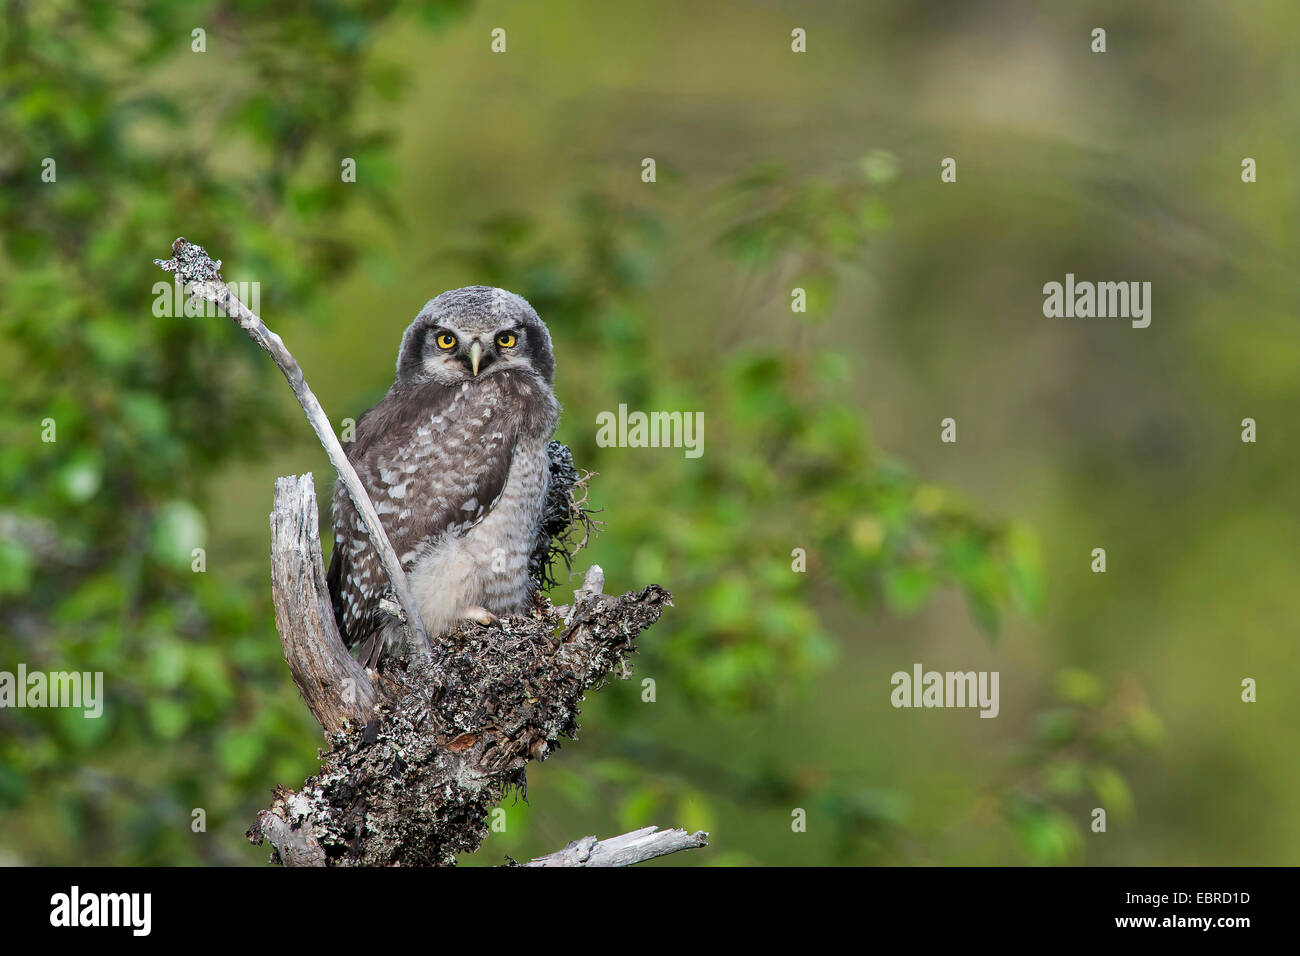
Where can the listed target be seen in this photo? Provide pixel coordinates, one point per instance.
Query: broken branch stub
(335, 687)
(624, 850)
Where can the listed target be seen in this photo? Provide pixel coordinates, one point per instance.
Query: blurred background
(774, 170)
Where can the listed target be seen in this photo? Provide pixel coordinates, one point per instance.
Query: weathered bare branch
(201, 277)
(625, 850)
(293, 845)
(335, 687)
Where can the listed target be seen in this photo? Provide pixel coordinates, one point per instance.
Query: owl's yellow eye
(506, 340)
(446, 341)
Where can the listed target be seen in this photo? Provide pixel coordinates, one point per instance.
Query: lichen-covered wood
(453, 731)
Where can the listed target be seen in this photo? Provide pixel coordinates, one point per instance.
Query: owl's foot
(480, 614)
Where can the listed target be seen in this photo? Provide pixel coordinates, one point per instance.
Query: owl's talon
(480, 614)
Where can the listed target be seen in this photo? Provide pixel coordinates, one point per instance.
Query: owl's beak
(475, 353)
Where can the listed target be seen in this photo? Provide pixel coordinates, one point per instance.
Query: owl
(454, 458)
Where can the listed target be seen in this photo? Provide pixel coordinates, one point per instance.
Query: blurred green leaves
(100, 524)
(1068, 766)
(177, 529)
(15, 567)
(809, 228)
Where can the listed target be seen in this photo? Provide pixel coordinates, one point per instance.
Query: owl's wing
(434, 461)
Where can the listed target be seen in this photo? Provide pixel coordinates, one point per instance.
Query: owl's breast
(487, 565)
(503, 541)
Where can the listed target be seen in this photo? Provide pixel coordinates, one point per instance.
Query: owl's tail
(372, 649)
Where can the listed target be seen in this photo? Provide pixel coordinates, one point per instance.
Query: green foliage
(1067, 767)
(239, 147)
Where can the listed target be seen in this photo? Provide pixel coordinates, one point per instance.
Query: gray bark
(334, 686)
(635, 847)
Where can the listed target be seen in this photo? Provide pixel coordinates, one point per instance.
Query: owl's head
(473, 332)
